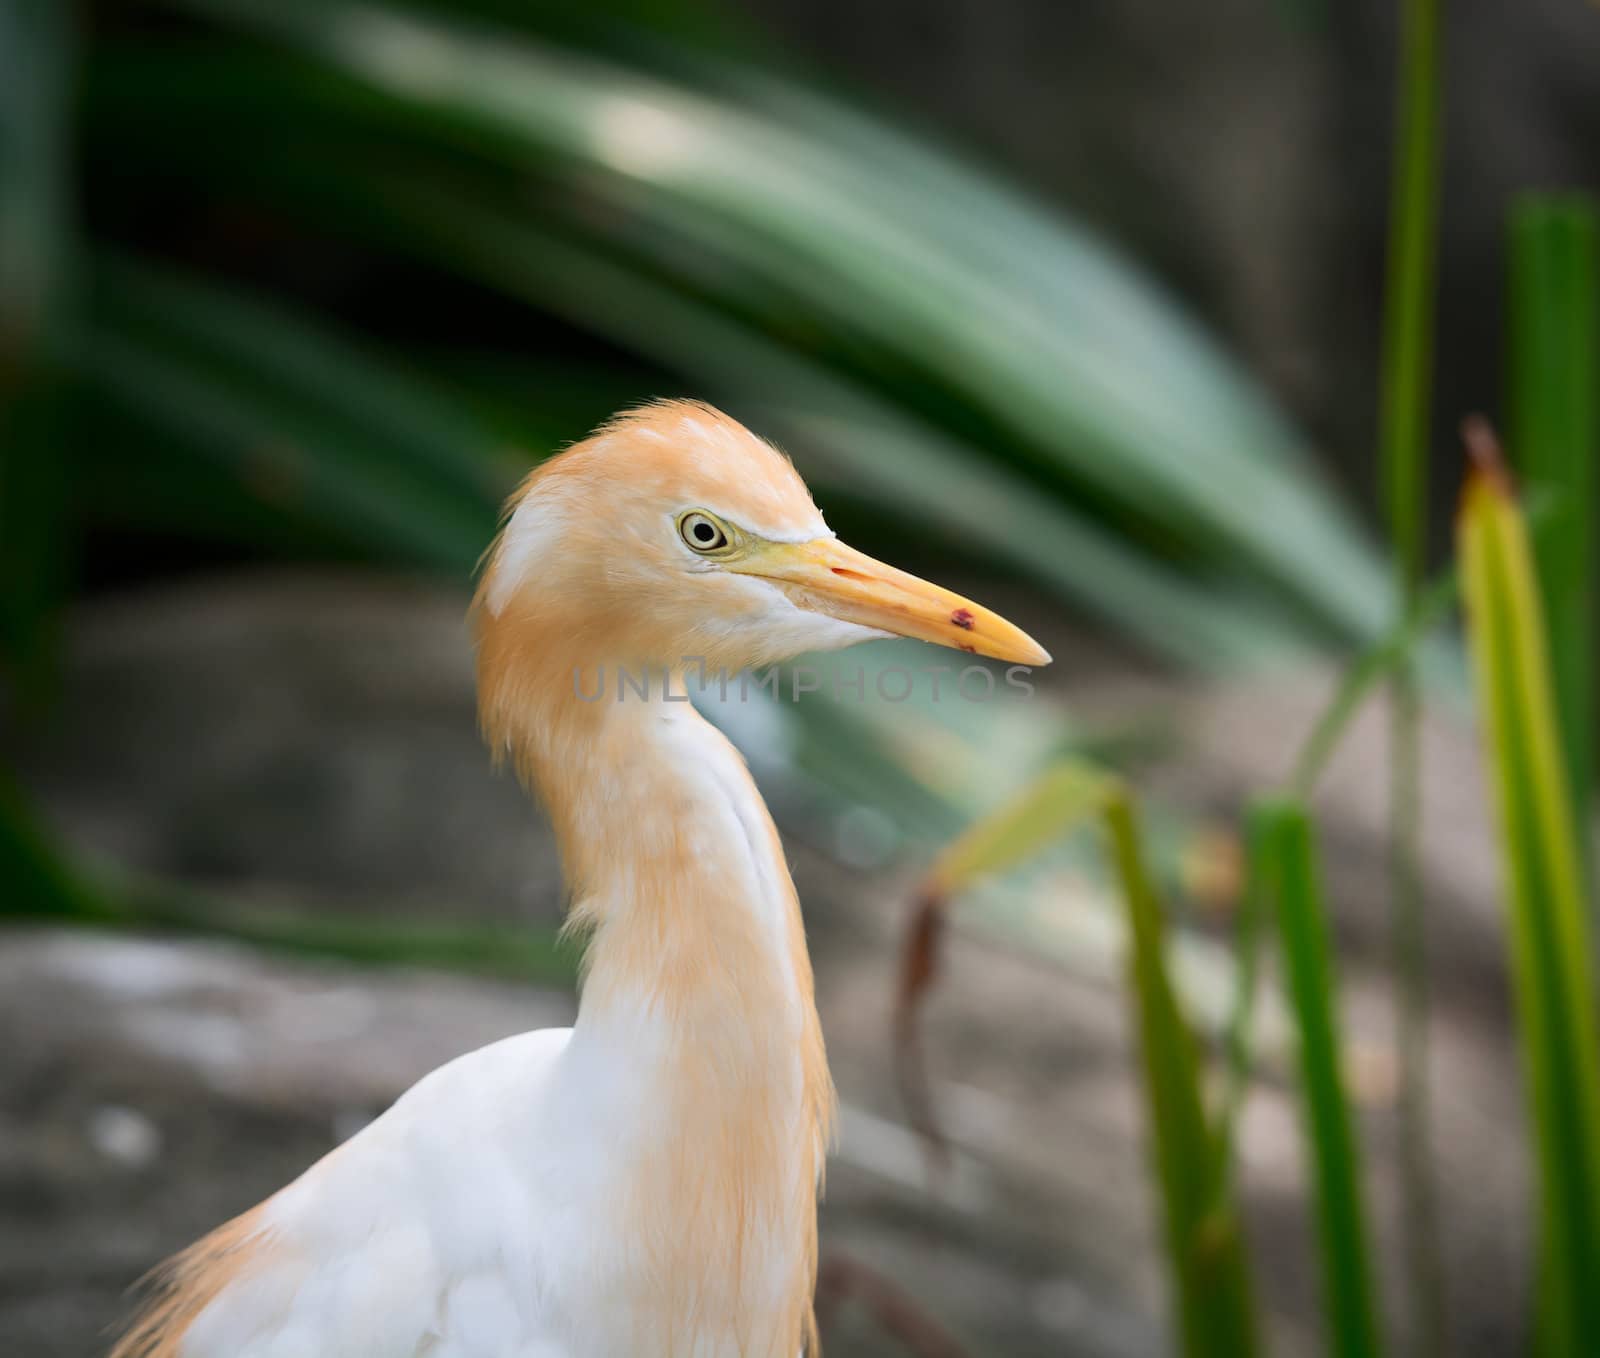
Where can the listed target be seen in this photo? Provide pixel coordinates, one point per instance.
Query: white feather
(487, 1213)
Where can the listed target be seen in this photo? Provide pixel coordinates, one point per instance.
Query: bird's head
(674, 533)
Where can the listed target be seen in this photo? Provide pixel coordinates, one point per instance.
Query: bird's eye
(702, 533)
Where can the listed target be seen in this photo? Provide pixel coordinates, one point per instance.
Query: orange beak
(825, 576)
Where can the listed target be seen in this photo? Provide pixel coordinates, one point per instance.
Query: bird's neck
(675, 867)
(698, 989)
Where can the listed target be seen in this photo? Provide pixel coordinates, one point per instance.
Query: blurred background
(1075, 307)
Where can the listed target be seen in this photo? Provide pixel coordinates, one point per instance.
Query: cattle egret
(645, 1182)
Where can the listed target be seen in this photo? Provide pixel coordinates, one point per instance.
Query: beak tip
(1033, 654)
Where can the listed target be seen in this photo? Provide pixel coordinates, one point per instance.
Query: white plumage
(376, 1252)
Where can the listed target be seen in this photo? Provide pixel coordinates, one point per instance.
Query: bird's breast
(697, 1169)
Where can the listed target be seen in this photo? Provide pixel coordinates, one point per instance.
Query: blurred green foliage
(36, 51)
(319, 280)
(950, 359)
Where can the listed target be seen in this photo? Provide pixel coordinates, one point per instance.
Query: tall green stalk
(1407, 376)
(1550, 930)
(1406, 400)
(1555, 403)
(1205, 1242)
(1285, 871)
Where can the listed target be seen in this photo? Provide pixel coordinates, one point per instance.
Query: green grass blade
(1404, 437)
(1239, 1037)
(1286, 865)
(1549, 925)
(1062, 798)
(1555, 399)
(1205, 1239)
(1409, 296)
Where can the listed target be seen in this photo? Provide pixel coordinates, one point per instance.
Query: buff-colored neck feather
(696, 966)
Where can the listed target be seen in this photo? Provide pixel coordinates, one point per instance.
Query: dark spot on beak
(970, 650)
(962, 618)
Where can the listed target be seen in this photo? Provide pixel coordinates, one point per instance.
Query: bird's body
(643, 1183)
